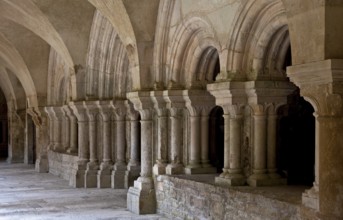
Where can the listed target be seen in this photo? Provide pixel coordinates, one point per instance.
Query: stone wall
(186, 199)
(61, 164)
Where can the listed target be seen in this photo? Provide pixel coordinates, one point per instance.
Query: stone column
(72, 130)
(119, 168)
(198, 103)
(275, 178)
(133, 167)
(232, 174)
(93, 164)
(41, 121)
(50, 115)
(162, 132)
(58, 121)
(175, 167)
(205, 162)
(79, 109)
(194, 159)
(141, 198)
(259, 176)
(104, 174)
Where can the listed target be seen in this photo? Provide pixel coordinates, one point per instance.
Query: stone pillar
(205, 162)
(198, 103)
(50, 115)
(175, 167)
(141, 198)
(162, 132)
(194, 157)
(58, 122)
(119, 168)
(93, 164)
(104, 174)
(321, 84)
(72, 130)
(41, 122)
(275, 178)
(79, 109)
(232, 173)
(259, 176)
(133, 167)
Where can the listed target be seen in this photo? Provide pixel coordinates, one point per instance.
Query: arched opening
(216, 140)
(296, 140)
(3, 127)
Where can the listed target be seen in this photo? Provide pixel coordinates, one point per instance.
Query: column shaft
(205, 140)
(195, 142)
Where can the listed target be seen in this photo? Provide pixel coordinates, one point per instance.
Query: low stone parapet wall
(187, 199)
(61, 164)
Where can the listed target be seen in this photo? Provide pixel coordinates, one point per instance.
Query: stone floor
(25, 194)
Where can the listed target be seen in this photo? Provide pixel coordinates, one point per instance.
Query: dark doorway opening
(3, 127)
(216, 134)
(296, 140)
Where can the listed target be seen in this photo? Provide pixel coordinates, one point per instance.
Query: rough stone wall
(61, 164)
(185, 199)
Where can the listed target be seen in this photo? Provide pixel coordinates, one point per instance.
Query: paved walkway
(25, 195)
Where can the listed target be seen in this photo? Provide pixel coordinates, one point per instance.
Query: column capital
(142, 102)
(228, 93)
(131, 112)
(160, 104)
(106, 109)
(174, 99)
(321, 84)
(92, 109)
(79, 110)
(198, 102)
(119, 110)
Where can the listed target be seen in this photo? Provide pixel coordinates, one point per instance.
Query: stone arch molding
(117, 15)
(107, 71)
(192, 38)
(259, 40)
(28, 15)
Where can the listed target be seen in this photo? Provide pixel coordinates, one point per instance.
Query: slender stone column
(104, 174)
(175, 167)
(162, 132)
(93, 164)
(50, 115)
(141, 198)
(133, 167)
(58, 115)
(275, 178)
(235, 176)
(72, 130)
(119, 168)
(205, 162)
(79, 110)
(259, 176)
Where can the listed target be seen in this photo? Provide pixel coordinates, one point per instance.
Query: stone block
(141, 201)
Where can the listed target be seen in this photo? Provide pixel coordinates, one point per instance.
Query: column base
(104, 178)
(259, 180)
(77, 179)
(310, 198)
(42, 165)
(141, 198)
(159, 169)
(231, 180)
(200, 170)
(173, 169)
(91, 178)
(118, 177)
(131, 175)
(71, 151)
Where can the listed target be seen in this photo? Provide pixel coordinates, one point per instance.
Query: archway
(216, 140)
(296, 140)
(3, 127)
